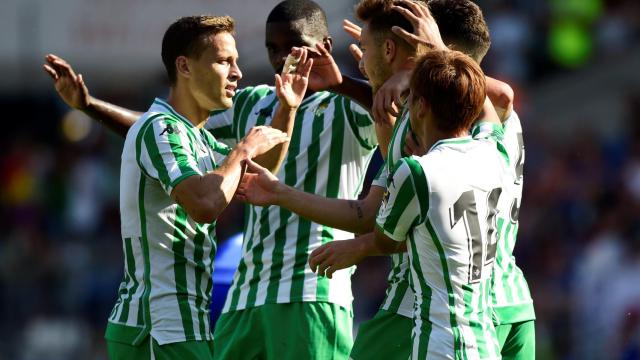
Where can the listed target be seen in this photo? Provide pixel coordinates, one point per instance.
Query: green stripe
(257, 257)
(144, 311)
(458, 341)
(264, 231)
(180, 271)
(333, 185)
(401, 290)
(239, 102)
(139, 138)
(171, 111)
(224, 132)
(509, 269)
(212, 255)
(199, 270)
(280, 234)
(122, 290)
(181, 156)
(420, 183)
(256, 95)
(400, 203)
(425, 307)
(351, 119)
(131, 271)
(304, 225)
(242, 267)
(262, 119)
(475, 325)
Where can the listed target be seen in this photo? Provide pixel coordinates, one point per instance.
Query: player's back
(452, 249)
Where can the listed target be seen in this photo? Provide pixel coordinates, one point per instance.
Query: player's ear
(389, 50)
(182, 66)
(328, 43)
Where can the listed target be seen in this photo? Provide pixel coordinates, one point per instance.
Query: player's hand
(258, 186)
(261, 139)
(290, 88)
(325, 73)
(354, 31)
(388, 100)
(334, 256)
(425, 29)
(69, 85)
(412, 145)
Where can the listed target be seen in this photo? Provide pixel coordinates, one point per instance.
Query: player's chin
(226, 102)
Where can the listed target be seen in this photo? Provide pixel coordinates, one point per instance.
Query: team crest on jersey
(170, 129)
(321, 108)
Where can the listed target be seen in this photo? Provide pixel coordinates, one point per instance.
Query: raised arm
(72, 89)
(205, 197)
(262, 188)
(290, 89)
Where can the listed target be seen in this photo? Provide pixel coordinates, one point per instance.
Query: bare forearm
(383, 245)
(283, 120)
(383, 134)
(349, 215)
(116, 118)
(356, 90)
(489, 113)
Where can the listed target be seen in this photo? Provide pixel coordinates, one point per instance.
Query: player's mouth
(230, 90)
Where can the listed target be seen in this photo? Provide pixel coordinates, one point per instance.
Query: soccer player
(173, 187)
(442, 207)
(277, 307)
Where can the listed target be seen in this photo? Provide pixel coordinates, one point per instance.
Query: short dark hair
(381, 17)
(189, 36)
(454, 87)
(462, 24)
(292, 10)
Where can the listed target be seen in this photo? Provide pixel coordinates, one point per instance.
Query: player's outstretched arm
(290, 89)
(205, 197)
(72, 89)
(262, 188)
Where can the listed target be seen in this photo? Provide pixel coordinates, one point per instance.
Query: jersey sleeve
(380, 180)
(361, 123)
(405, 204)
(487, 129)
(165, 152)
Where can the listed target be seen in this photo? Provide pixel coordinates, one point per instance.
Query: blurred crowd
(578, 245)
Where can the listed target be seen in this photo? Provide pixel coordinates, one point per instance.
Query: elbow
(505, 96)
(204, 213)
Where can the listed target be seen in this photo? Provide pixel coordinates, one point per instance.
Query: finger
(278, 82)
(329, 272)
(303, 56)
(351, 29)
(306, 68)
(315, 260)
(49, 70)
(64, 68)
(254, 167)
(408, 14)
(323, 266)
(355, 52)
(417, 8)
(407, 36)
(80, 82)
(312, 52)
(323, 51)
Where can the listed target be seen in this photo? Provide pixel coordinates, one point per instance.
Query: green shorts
(386, 336)
(302, 330)
(517, 340)
(150, 349)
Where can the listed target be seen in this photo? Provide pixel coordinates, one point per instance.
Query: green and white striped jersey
(399, 297)
(331, 146)
(168, 257)
(444, 203)
(511, 298)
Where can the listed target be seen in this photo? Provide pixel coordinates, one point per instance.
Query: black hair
(292, 10)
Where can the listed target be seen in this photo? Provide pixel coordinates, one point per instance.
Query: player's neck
(432, 135)
(186, 105)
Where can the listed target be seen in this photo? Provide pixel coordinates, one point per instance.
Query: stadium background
(574, 65)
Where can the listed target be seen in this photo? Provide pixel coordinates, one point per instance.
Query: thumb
(254, 167)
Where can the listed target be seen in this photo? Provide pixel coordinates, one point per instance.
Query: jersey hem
(289, 301)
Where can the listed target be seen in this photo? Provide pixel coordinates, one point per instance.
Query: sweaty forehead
(297, 32)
